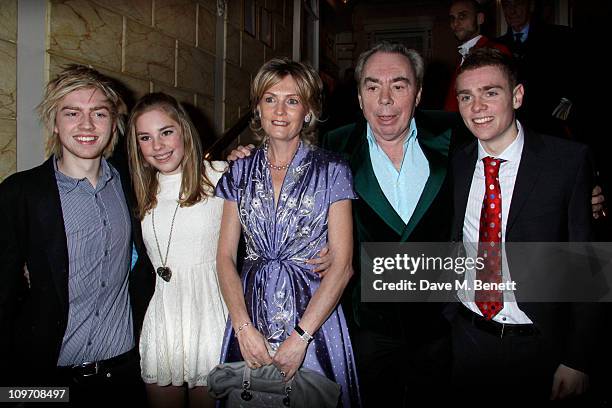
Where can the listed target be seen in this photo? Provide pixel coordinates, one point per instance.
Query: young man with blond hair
(74, 321)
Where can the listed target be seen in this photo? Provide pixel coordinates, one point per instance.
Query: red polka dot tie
(490, 302)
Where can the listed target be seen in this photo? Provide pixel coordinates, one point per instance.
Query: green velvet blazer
(375, 220)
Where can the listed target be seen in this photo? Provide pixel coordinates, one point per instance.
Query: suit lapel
(438, 165)
(526, 177)
(366, 184)
(51, 216)
(464, 173)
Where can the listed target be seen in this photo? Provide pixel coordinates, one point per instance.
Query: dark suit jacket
(550, 203)
(33, 319)
(375, 220)
(544, 67)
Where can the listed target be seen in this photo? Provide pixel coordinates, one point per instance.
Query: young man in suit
(536, 188)
(466, 17)
(74, 320)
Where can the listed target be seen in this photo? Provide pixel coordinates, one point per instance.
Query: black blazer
(33, 319)
(543, 67)
(550, 203)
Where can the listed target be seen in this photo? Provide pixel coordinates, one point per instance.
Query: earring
(307, 118)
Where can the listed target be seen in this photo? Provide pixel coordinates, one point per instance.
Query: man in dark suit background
(466, 17)
(544, 64)
(536, 188)
(73, 318)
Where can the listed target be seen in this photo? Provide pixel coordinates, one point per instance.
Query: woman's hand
(253, 347)
(290, 355)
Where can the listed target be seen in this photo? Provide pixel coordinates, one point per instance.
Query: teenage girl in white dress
(184, 323)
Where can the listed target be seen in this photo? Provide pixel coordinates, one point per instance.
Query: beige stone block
(234, 13)
(283, 40)
(83, 30)
(196, 70)
(210, 5)
(232, 114)
(131, 88)
(232, 47)
(8, 148)
(207, 105)
(8, 19)
(237, 86)
(276, 8)
(139, 10)
(288, 13)
(177, 18)
(149, 53)
(207, 28)
(182, 95)
(252, 54)
(203, 119)
(8, 79)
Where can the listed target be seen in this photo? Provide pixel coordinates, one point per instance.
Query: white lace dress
(184, 324)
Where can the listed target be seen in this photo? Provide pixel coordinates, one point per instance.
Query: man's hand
(568, 382)
(598, 203)
(240, 152)
(322, 263)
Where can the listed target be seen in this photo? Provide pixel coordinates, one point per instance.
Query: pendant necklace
(163, 271)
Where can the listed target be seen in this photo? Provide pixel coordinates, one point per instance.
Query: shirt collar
(66, 183)
(524, 31)
(464, 49)
(512, 152)
(412, 133)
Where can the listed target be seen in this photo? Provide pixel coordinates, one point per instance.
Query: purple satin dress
(277, 283)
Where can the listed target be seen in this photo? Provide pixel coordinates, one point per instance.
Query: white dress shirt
(507, 177)
(464, 49)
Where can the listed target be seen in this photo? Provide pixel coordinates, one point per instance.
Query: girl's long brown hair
(195, 185)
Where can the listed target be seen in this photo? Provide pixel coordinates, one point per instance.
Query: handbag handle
(246, 395)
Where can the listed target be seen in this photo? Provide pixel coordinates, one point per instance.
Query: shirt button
(104, 222)
(106, 252)
(504, 319)
(103, 284)
(89, 343)
(97, 313)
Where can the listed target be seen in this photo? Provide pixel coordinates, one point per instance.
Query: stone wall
(8, 87)
(148, 46)
(245, 54)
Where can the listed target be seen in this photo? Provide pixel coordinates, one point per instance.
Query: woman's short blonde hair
(73, 78)
(309, 90)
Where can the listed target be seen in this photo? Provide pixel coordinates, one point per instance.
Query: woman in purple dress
(290, 199)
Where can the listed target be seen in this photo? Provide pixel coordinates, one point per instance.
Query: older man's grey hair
(418, 65)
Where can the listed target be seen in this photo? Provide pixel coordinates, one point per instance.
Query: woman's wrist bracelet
(242, 326)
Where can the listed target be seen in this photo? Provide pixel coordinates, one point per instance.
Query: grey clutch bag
(264, 387)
